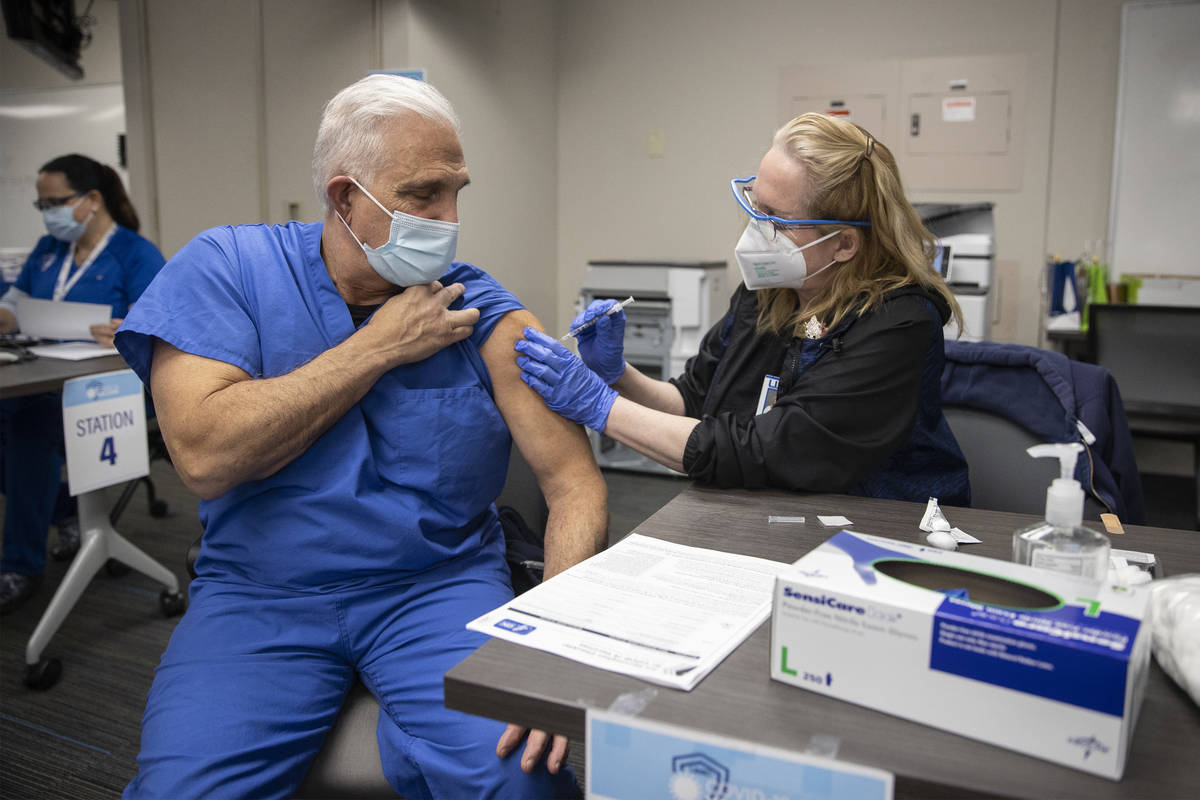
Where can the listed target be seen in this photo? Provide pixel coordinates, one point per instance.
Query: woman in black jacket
(824, 374)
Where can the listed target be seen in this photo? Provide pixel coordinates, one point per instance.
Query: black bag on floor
(524, 550)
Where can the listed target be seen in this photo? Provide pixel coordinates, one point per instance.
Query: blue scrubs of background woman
(92, 254)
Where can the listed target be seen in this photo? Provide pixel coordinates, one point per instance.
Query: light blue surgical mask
(61, 223)
(418, 250)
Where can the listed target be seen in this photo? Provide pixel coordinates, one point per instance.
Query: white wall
(1085, 107)
(558, 100)
(496, 63)
(204, 113)
(234, 90)
(310, 50)
(224, 98)
(706, 74)
(1156, 185)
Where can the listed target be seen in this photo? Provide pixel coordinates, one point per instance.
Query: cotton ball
(943, 540)
(1130, 575)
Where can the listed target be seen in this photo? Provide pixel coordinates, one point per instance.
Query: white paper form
(663, 612)
(60, 319)
(73, 351)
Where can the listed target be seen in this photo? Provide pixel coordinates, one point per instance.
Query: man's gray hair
(350, 137)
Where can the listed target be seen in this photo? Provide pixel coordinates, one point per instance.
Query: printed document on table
(663, 612)
(60, 319)
(73, 351)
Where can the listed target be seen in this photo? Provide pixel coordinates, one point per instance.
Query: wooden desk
(49, 374)
(517, 684)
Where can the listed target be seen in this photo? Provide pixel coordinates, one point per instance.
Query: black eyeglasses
(46, 203)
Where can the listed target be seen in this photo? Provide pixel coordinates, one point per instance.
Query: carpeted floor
(80, 738)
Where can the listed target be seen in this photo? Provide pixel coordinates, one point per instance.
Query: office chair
(1003, 477)
(348, 763)
(1153, 352)
(1001, 398)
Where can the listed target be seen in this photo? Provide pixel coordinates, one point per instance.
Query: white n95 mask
(418, 250)
(774, 265)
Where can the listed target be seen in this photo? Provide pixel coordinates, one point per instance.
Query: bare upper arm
(179, 383)
(556, 449)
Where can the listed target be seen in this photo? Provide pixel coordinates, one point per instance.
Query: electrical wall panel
(975, 123)
(864, 93)
(953, 124)
(867, 110)
(964, 121)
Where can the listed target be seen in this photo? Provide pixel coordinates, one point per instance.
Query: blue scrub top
(401, 487)
(118, 276)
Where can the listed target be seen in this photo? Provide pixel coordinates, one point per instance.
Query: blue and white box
(1040, 662)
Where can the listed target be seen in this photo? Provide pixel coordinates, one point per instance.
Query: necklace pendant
(813, 329)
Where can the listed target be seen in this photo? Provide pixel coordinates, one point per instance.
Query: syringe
(574, 332)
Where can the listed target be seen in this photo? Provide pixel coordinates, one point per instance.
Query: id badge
(766, 397)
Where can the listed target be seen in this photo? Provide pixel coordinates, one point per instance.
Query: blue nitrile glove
(602, 346)
(563, 381)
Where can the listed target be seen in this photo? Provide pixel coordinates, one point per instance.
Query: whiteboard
(38, 125)
(1154, 226)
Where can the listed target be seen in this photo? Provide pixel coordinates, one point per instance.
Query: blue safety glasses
(743, 192)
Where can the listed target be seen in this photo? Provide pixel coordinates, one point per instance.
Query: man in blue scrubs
(341, 396)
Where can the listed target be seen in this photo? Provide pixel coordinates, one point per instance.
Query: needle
(574, 332)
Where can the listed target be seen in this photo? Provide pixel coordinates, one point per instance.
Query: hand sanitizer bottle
(1061, 542)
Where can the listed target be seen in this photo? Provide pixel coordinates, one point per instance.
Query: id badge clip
(766, 397)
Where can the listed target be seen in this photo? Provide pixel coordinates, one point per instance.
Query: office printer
(968, 233)
(676, 302)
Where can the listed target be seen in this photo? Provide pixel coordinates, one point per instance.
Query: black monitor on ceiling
(49, 29)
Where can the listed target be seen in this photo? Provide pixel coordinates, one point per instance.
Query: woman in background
(92, 254)
(824, 375)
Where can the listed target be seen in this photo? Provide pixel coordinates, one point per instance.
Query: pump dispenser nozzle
(1061, 542)
(1064, 498)
(1066, 453)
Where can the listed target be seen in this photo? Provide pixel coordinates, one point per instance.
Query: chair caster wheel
(117, 569)
(44, 674)
(172, 603)
(158, 509)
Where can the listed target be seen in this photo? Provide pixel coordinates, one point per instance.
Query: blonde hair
(350, 138)
(850, 175)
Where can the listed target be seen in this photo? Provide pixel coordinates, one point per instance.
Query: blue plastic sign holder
(634, 759)
(104, 427)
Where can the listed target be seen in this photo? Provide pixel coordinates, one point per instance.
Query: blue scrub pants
(32, 433)
(254, 677)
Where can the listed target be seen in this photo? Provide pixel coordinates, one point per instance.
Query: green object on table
(1097, 274)
(1132, 286)
(1095, 277)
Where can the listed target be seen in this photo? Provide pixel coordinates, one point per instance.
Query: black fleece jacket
(857, 411)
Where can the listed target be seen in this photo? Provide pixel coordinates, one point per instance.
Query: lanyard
(62, 285)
